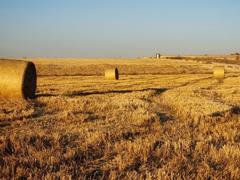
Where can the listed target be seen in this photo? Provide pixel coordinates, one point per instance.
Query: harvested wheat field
(163, 119)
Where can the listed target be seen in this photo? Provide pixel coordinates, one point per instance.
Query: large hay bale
(17, 79)
(219, 72)
(112, 74)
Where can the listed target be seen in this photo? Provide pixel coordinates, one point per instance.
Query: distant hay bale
(17, 79)
(112, 74)
(219, 72)
(237, 57)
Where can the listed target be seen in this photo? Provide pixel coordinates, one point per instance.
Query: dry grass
(223, 59)
(158, 123)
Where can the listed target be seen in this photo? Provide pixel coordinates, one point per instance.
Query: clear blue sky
(118, 28)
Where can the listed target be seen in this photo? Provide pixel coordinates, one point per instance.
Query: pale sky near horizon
(111, 28)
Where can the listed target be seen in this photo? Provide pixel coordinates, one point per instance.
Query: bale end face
(219, 72)
(29, 81)
(112, 74)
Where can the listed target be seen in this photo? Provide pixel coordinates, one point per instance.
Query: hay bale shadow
(235, 110)
(82, 93)
(46, 95)
(163, 117)
(5, 124)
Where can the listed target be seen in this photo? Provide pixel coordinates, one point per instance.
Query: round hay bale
(112, 74)
(219, 72)
(18, 79)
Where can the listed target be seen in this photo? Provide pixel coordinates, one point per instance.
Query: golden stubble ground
(163, 119)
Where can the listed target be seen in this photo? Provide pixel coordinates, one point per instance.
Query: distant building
(158, 56)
